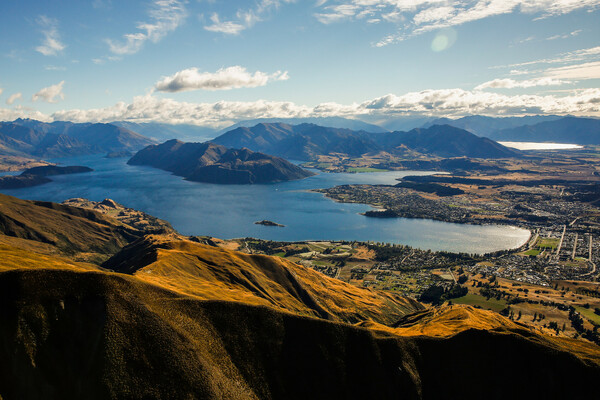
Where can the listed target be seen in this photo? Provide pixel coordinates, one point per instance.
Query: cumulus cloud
(8, 114)
(447, 102)
(13, 97)
(50, 94)
(51, 45)
(417, 16)
(244, 18)
(511, 83)
(224, 79)
(165, 17)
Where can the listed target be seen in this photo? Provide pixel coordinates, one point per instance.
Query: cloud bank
(511, 83)
(439, 103)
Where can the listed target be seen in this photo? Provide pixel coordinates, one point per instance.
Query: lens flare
(443, 40)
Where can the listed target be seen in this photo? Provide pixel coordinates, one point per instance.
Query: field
(473, 299)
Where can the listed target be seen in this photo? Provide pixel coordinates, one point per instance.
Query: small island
(38, 176)
(266, 222)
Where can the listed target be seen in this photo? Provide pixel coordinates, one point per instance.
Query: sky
(215, 62)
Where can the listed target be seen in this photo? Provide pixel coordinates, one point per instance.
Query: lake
(229, 211)
(541, 146)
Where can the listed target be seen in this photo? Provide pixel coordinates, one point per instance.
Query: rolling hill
(70, 231)
(212, 163)
(211, 273)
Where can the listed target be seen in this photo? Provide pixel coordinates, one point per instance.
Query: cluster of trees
(436, 294)
(577, 324)
(293, 252)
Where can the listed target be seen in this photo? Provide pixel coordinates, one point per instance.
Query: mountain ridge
(307, 141)
(60, 139)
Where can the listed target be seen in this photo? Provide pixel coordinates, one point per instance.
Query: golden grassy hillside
(73, 334)
(69, 230)
(213, 273)
(178, 319)
(13, 258)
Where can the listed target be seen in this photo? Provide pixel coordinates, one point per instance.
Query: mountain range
(95, 308)
(26, 137)
(307, 141)
(213, 163)
(565, 130)
(332, 122)
(486, 126)
(536, 128)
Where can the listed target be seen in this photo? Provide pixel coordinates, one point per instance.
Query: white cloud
(417, 16)
(565, 36)
(13, 97)
(337, 13)
(50, 94)
(51, 45)
(8, 114)
(511, 83)
(165, 17)
(446, 102)
(1, 91)
(227, 27)
(583, 71)
(244, 18)
(225, 78)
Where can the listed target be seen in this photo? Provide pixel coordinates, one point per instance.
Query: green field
(532, 252)
(365, 169)
(472, 299)
(547, 243)
(589, 314)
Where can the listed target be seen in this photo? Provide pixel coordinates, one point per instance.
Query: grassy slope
(193, 321)
(69, 230)
(217, 274)
(68, 334)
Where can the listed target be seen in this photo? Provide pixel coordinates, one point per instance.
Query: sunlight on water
(541, 146)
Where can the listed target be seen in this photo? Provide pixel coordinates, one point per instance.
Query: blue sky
(213, 62)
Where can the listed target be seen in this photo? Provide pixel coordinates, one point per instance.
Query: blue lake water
(229, 211)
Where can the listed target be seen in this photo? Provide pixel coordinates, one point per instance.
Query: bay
(229, 211)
